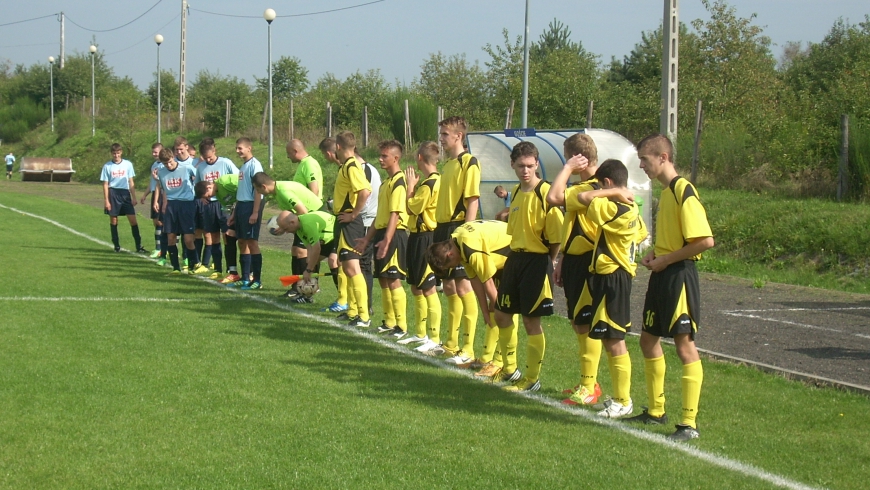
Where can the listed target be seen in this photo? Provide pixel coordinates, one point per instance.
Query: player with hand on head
(245, 218)
(527, 285)
(390, 238)
(458, 202)
(119, 195)
(620, 229)
(422, 200)
(575, 257)
(672, 307)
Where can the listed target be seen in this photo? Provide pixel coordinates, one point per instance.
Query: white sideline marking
(716, 460)
(749, 314)
(97, 298)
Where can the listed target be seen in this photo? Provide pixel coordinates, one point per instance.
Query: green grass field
(119, 376)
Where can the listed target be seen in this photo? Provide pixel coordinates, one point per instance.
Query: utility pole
(525, 95)
(182, 79)
(61, 40)
(670, 69)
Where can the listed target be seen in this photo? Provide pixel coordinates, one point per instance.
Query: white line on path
(716, 460)
(748, 314)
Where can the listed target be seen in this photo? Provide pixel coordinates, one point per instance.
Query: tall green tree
(458, 86)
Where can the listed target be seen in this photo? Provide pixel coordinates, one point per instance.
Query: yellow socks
(434, 321)
(534, 356)
(400, 307)
(507, 344)
(590, 355)
(469, 318)
(490, 342)
(387, 306)
(342, 287)
(421, 311)
(654, 371)
(360, 296)
(454, 315)
(693, 377)
(620, 373)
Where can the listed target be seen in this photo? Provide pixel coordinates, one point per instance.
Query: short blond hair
(346, 140)
(581, 144)
(428, 151)
(456, 123)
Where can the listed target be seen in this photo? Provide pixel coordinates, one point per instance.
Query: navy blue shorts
(245, 230)
(154, 214)
(211, 217)
(179, 218)
(121, 203)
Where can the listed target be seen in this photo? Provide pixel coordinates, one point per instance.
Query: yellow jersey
(460, 181)
(348, 182)
(392, 199)
(484, 246)
(421, 206)
(681, 218)
(532, 223)
(578, 233)
(620, 231)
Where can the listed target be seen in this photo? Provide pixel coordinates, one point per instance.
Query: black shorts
(420, 275)
(442, 234)
(211, 217)
(8, 168)
(326, 249)
(122, 204)
(526, 285)
(611, 305)
(394, 264)
(245, 230)
(673, 301)
(346, 234)
(179, 218)
(155, 214)
(297, 242)
(577, 282)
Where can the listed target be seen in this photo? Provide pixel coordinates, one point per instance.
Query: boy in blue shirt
(159, 237)
(119, 193)
(246, 218)
(179, 208)
(211, 220)
(10, 161)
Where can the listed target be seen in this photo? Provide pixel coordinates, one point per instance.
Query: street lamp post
(93, 50)
(525, 118)
(159, 40)
(270, 15)
(51, 82)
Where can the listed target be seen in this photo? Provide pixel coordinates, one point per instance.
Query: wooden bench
(37, 169)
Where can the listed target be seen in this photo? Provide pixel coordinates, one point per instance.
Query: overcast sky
(395, 36)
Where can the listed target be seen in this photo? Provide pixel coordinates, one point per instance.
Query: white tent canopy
(493, 152)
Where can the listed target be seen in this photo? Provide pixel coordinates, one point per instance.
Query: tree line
(769, 120)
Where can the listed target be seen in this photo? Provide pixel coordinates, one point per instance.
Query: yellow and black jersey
(484, 246)
(681, 218)
(348, 182)
(532, 223)
(620, 230)
(578, 233)
(392, 198)
(461, 180)
(421, 206)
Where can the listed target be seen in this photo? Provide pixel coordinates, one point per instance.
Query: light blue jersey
(118, 175)
(246, 180)
(178, 184)
(210, 172)
(10, 159)
(158, 165)
(190, 162)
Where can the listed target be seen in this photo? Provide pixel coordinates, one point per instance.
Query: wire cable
(145, 39)
(291, 15)
(114, 28)
(28, 20)
(28, 45)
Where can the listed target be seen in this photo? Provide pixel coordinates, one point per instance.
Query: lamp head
(158, 39)
(93, 49)
(51, 59)
(269, 15)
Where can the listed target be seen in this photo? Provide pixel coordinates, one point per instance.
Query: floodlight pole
(93, 50)
(51, 78)
(525, 115)
(159, 40)
(270, 15)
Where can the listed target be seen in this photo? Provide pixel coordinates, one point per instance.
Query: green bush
(20, 117)
(422, 112)
(68, 124)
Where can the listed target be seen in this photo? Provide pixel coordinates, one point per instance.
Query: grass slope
(220, 390)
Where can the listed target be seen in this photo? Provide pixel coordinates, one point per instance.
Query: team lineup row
(424, 227)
